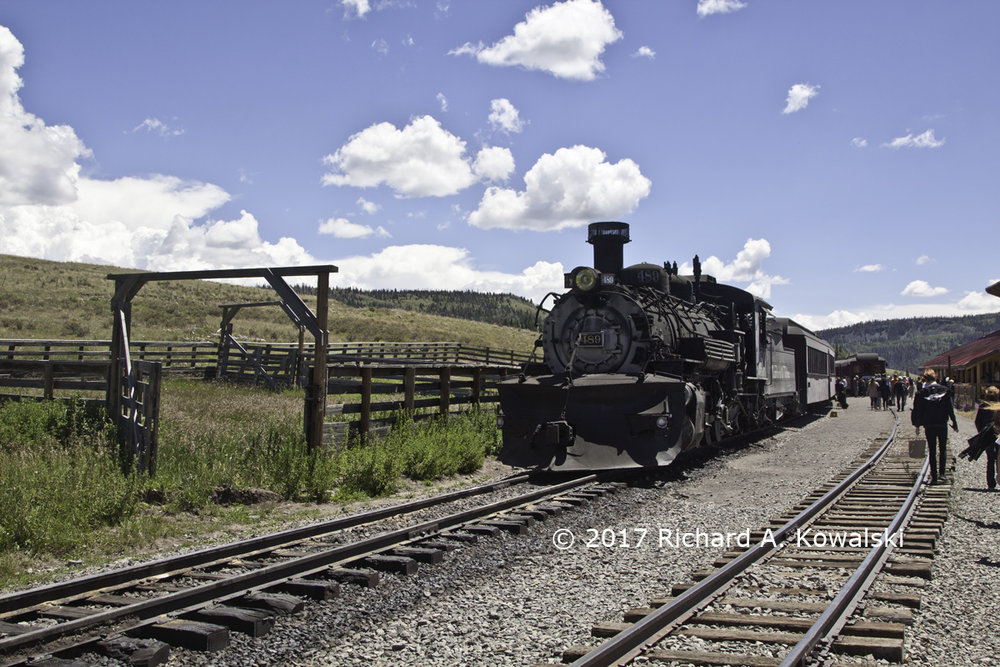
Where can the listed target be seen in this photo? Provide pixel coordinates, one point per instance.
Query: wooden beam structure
(127, 286)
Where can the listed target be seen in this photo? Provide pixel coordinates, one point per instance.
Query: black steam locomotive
(641, 364)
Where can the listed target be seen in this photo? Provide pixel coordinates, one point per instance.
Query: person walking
(873, 393)
(988, 414)
(932, 408)
(899, 393)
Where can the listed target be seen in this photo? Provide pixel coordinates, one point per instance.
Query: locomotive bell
(608, 239)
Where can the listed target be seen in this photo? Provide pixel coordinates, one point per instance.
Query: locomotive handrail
(627, 644)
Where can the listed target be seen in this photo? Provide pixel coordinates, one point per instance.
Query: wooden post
(409, 387)
(366, 404)
(445, 390)
(321, 373)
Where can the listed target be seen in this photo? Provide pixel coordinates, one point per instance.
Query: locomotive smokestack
(608, 239)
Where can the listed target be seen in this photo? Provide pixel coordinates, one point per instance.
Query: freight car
(641, 364)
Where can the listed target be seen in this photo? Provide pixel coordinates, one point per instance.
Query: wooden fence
(441, 389)
(48, 376)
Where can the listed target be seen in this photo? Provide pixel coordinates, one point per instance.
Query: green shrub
(59, 476)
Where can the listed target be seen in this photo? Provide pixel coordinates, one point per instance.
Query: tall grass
(63, 492)
(59, 477)
(425, 451)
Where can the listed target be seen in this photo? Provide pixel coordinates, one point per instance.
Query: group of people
(934, 407)
(883, 390)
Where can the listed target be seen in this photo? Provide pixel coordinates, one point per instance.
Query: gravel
(521, 600)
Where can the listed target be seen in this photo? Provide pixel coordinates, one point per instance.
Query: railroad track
(194, 600)
(838, 575)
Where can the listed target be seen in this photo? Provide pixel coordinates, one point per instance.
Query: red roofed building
(976, 362)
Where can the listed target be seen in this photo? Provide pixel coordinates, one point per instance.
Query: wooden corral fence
(440, 389)
(46, 376)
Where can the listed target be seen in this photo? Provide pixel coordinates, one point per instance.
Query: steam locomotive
(641, 364)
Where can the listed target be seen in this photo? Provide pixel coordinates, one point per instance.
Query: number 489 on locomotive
(641, 364)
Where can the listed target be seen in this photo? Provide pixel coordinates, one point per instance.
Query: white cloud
(921, 288)
(380, 46)
(565, 39)
(505, 117)
(972, 303)
(746, 268)
(494, 163)
(425, 266)
(644, 52)
(157, 126)
(48, 210)
(869, 268)
(570, 188)
(923, 259)
(443, 102)
(421, 160)
(356, 7)
(799, 96)
(924, 140)
(342, 228)
(709, 7)
(859, 142)
(368, 207)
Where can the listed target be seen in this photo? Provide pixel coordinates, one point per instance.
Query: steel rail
(278, 572)
(20, 600)
(627, 644)
(829, 624)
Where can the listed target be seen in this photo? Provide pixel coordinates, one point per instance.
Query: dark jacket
(932, 406)
(984, 416)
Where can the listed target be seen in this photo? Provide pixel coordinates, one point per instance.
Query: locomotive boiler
(641, 364)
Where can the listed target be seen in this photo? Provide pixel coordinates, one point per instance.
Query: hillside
(907, 343)
(504, 309)
(69, 300)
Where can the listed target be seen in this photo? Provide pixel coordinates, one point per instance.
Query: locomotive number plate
(591, 339)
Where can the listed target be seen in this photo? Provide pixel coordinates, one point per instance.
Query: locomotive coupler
(554, 433)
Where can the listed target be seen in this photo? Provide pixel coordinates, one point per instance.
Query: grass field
(64, 496)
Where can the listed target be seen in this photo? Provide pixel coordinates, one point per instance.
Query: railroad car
(641, 364)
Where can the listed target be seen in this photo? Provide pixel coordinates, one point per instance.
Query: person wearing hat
(932, 408)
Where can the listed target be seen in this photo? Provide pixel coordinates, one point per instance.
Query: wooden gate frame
(127, 286)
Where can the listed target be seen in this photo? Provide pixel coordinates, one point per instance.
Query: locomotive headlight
(662, 421)
(585, 279)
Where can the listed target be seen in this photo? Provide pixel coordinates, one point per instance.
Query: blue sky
(839, 159)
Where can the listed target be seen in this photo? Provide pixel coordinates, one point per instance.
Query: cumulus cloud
(644, 52)
(799, 96)
(570, 188)
(709, 7)
(494, 164)
(923, 140)
(565, 39)
(869, 268)
(48, 210)
(420, 160)
(425, 266)
(342, 228)
(505, 117)
(923, 259)
(745, 268)
(859, 142)
(921, 288)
